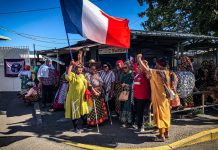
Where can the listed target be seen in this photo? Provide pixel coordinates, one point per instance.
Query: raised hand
(72, 63)
(139, 56)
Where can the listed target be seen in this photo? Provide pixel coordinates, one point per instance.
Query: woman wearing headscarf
(95, 87)
(160, 95)
(117, 85)
(186, 82)
(25, 76)
(126, 107)
(76, 105)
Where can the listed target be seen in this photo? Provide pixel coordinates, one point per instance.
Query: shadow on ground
(7, 140)
(109, 136)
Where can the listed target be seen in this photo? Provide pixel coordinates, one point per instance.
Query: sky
(50, 23)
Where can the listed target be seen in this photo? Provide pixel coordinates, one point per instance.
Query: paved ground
(18, 129)
(117, 137)
(213, 145)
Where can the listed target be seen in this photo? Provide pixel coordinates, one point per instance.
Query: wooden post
(203, 98)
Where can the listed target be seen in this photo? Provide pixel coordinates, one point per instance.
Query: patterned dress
(61, 94)
(117, 89)
(126, 107)
(96, 82)
(186, 83)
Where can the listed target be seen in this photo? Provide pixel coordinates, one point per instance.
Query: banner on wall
(13, 66)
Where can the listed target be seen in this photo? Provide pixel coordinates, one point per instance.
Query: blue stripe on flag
(72, 13)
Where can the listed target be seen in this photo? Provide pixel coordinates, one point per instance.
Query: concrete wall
(6, 83)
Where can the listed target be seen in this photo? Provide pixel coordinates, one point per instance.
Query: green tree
(190, 16)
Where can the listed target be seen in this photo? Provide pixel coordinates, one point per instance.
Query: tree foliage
(190, 16)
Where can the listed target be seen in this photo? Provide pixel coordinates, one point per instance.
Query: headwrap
(185, 63)
(128, 63)
(79, 65)
(120, 62)
(92, 61)
(27, 67)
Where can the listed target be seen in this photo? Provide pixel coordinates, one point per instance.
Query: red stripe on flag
(118, 33)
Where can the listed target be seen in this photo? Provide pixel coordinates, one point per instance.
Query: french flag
(84, 18)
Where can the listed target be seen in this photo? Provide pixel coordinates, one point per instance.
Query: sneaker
(141, 130)
(159, 138)
(155, 131)
(124, 125)
(166, 134)
(129, 125)
(134, 127)
(85, 126)
(113, 114)
(77, 130)
(51, 110)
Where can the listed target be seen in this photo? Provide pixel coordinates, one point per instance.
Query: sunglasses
(105, 66)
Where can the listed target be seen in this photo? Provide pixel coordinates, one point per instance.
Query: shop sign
(111, 50)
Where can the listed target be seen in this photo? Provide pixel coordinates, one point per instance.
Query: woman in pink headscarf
(118, 86)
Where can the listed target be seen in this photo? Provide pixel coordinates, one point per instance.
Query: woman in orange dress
(160, 95)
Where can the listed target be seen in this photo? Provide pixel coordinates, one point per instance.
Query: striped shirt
(108, 78)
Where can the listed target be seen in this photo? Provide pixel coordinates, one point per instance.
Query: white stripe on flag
(94, 23)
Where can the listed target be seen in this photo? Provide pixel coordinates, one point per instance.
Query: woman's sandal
(51, 110)
(159, 138)
(166, 134)
(155, 131)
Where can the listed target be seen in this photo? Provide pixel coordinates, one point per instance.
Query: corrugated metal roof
(176, 35)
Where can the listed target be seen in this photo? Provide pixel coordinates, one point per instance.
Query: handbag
(124, 96)
(170, 92)
(176, 101)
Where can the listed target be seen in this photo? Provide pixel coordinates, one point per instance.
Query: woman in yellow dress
(76, 107)
(160, 95)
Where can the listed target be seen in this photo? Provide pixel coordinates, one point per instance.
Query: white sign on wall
(111, 50)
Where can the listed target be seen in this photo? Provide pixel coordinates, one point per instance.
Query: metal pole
(34, 54)
(127, 54)
(216, 57)
(109, 112)
(203, 99)
(96, 115)
(68, 41)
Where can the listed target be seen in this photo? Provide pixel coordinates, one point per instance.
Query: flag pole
(68, 41)
(127, 57)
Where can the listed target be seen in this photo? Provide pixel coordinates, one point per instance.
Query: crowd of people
(94, 93)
